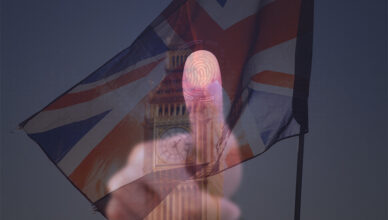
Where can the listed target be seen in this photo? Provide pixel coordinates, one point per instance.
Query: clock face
(175, 146)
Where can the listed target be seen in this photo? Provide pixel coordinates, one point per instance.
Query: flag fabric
(264, 49)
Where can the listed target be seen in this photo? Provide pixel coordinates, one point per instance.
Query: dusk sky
(48, 46)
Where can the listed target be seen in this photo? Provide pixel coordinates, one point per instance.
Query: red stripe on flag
(191, 22)
(84, 96)
(275, 79)
(278, 22)
(110, 155)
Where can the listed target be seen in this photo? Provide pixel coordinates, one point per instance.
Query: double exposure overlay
(206, 86)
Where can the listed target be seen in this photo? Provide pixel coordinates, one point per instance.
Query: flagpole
(299, 177)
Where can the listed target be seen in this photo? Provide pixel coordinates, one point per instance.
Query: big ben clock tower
(182, 135)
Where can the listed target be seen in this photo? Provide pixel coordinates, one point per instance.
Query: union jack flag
(264, 51)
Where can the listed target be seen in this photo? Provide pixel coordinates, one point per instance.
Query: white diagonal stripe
(121, 98)
(270, 89)
(167, 34)
(79, 151)
(83, 87)
(243, 131)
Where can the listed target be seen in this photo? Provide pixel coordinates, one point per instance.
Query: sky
(47, 46)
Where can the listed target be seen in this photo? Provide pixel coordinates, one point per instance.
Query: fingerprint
(201, 68)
